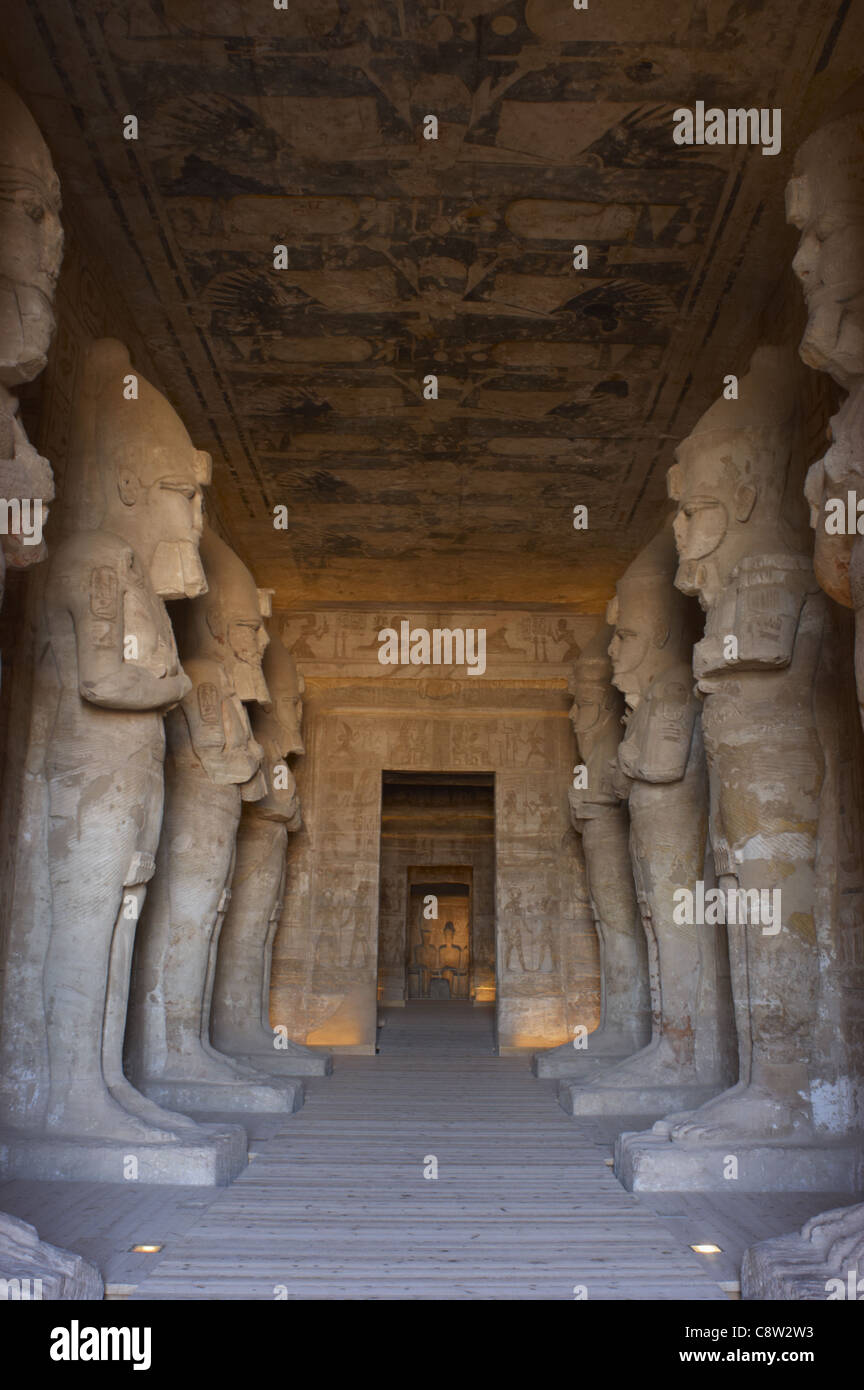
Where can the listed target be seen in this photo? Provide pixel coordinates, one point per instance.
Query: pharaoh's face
(288, 711)
(31, 249)
(631, 647)
(588, 706)
(702, 520)
(830, 266)
(172, 508)
(248, 638)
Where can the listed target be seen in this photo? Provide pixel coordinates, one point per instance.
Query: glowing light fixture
(146, 1249)
(707, 1249)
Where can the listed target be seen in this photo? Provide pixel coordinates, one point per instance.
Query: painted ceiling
(407, 257)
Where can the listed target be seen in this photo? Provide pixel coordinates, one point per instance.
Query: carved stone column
(213, 766)
(240, 1016)
(108, 675)
(603, 822)
(661, 768)
(756, 667)
(825, 200)
(31, 243)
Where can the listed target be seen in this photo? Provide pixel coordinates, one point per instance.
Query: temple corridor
(431, 658)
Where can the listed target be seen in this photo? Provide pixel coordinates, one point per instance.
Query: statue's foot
(147, 1110)
(842, 1224)
(207, 1067)
(669, 1123)
(744, 1112)
(102, 1118)
(223, 1059)
(653, 1066)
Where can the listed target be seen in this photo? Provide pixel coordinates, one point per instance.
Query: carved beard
(833, 340)
(699, 578)
(25, 475)
(176, 570)
(26, 329)
(842, 461)
(249, 681)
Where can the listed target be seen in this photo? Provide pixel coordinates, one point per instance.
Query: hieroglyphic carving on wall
(518, 644)
(327, 951)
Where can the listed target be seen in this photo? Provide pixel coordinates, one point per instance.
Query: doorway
(436, 938)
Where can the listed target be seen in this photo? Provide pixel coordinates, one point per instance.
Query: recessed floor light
(707, 1249)
(146, 1249)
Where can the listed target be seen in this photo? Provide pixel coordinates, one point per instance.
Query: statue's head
(449, 928)
(594, 698)
(134, 470)
(31, 242)
(652, 620)
(730, 475)
(232, 613)
(825, 199)
(285, 707)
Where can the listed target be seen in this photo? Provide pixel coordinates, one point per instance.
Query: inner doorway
(436, 938)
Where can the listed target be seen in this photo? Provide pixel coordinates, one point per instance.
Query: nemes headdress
(23, 152)
(766, 410)
(651, 574)
(593, 665)
(232, 597)
(122, 429)
(830, 161)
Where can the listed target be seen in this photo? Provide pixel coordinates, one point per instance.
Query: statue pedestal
(33, 1270)
(582, 1063)
(293, 1060)
(655, 1163)
(221, 1097)
(597, 1099)
(826, 1263)
(214, 1160)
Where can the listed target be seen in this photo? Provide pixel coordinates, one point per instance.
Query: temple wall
(362, 719)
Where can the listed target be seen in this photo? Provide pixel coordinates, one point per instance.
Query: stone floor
(334, 1203)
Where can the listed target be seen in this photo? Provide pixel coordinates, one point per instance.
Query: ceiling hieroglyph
(407, 257)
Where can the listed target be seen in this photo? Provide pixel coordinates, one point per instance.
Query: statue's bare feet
(137, 1104)
(209, 1068)
(743, 1112)
(102, 1118)
(670, 1123)
(222, 1059)
(840, 1224)
(654, 1065)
